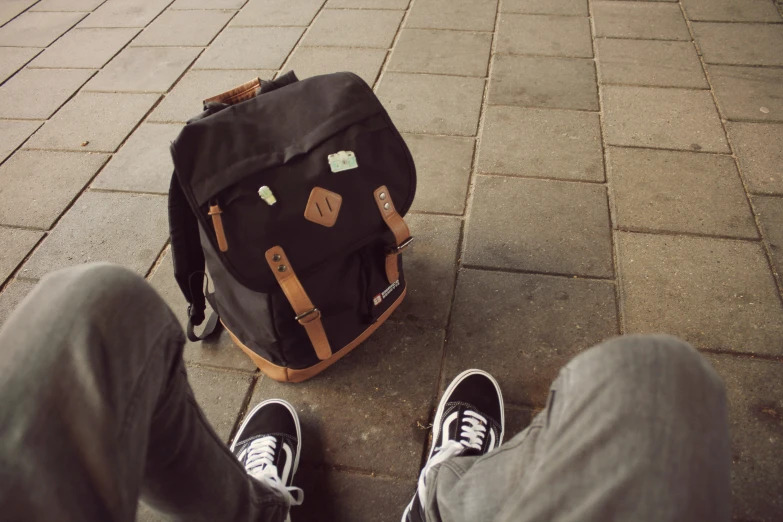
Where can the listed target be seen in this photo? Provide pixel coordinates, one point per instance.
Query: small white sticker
(383, 295)
(343, 160)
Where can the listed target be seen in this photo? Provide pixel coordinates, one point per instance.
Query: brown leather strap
(217, 222)
(402, 235)
(237, 94)
(306, 313)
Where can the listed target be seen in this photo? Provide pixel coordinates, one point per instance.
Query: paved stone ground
(586, 168)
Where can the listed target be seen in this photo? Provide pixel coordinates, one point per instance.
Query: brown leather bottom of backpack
(283, 374)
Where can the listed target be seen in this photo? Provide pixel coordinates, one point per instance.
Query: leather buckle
(315, 311)
(402, 246)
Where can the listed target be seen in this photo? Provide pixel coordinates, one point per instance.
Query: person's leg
(635, 429)
(96, 405)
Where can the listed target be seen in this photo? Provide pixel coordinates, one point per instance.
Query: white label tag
(343, 160)
(378, 299)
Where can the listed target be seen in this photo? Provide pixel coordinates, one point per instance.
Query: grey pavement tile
(770, 214)
(441, 52)
(126, 229)
(17, 243)
(250, 48)
(649, 62)
(12, 295)
(430, 269)
(731, 10)
(221, 396)
(748, 93)
(14, 58)
(128, 13)
(541, 144)
(555, 7)
(759, 149)
(383, 390)
(466, 15)
(661, 190)
(544, 35)
(35, 94)
(13, 133)
(354, 28)
(312, 61)
(216, 350)
(522, 328)
(740, 44)
(662, 118)
(37, 186)
(143, 164)
(754, 391)
(714, 293)
(424, 103)
(85, 48)
(368, 4)
(277, 13)
(185, 99)
(443, 170)
(92, 121)
(37, 29)
(517, 420)
(144, 69)
(539, 225)
(67, 5)
(646, 20)
(335, 495)
(184, 28)
(532, 81)
(11, 8)
(207, 4)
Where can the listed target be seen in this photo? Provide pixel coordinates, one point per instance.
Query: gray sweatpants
(97, 410)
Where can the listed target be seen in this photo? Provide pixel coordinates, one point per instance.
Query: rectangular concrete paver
(38, 186)
(523, 328)
(144, 69)
(748, 93)
(250, 48)
(770, 213)
(649, 63)
(35, 94)
(144, 163)
(128, 13)
(759, 149)
(662, 118)
(532, 81)
(540, 226)
(466, 15)
(675, 192)
(93, 121)
(312, 61)
(37, 29)
(731, 10)
(221, 396)
(442, 52)
(127, 229)
(207, 4)
(67, 5)
(12, 295)
(17, 243)
(714, 293)
(555, 7)
(13, 133)
(354, 28)
(184, 28)
(11, 8)
(740, 44)
(14, 58)
(544, 35)
(646, 20)
(368, 4)
(277, 12)
(542, 144)
(442, 170)
(85, 48)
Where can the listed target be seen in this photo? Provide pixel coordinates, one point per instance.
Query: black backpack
(293, 192)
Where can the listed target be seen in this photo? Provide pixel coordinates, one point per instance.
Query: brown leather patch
(323, 207)
(238, 94)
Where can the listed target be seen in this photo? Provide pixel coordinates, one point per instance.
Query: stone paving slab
(662, 118)
(126, 229)
(442, 52)
(250, 48)
(645, 20)
(661, 190)
(12, 295)
(714, 293)
(13, 133)
(277, 13)
(67, 5)
(755, 397)
(740, 44)
(17, 243)
(539, 225)
(207, 4)
(465, 15)
(38, 186)
(129, 13)
(523, 328)
(423, 103)
(760, 155)
(731, 10)
(221, 396)
(354, 28)
(442, 170)
(748, 93)
(545, 35)
(539, 143)
(37, 29)
(312, 61)
(555, 7)
(532, 81)
(97, 122)
(144, 163)
(11, 8)
(184, 29)
(50, 88)
(144, 69)
(85, 48)
(14, 58)
(770, 215)
(368, 4)
(649, 63)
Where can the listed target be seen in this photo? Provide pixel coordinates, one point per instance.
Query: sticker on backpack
(343, 160)
(378, 299)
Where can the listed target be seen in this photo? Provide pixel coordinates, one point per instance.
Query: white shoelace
(474, 429)
(260, 465)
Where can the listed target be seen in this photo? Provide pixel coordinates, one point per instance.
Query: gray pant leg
(96, 403)
(635, 429)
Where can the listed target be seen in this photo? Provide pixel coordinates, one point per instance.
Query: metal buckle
(307, 313)
(402, 246)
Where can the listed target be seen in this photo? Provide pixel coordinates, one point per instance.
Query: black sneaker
(268, 445)
(469, 422)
